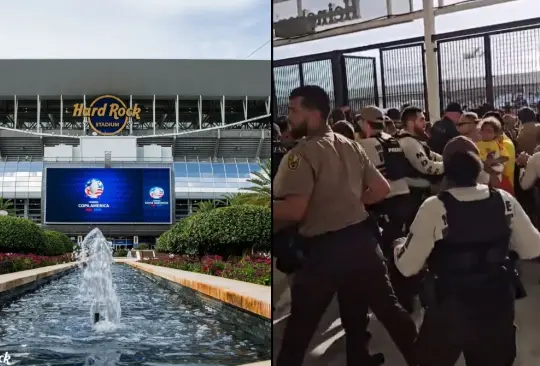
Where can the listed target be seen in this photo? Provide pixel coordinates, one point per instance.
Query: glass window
(2, 167)
(36, 166)
(254, 167)
(193, 170)
(24, 166)
(243, 170)
(220, 184)
(180, 170)
(206, 170)
(231, 171)
(11, 167)
(219, 170)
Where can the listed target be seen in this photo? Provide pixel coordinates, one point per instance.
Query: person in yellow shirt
(494, 153)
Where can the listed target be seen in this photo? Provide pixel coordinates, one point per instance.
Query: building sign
(107, 115)
(349, 10)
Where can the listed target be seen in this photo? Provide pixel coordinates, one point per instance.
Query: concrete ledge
(16, 284)
(263, 363)
(249, 297)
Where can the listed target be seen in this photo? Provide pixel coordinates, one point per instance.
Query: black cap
(454, 107)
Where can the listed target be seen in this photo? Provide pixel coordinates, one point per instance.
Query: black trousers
(482, 329)
(347, 262)
(418, 196)
(394, 216)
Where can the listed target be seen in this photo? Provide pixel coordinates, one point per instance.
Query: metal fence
(499, 65)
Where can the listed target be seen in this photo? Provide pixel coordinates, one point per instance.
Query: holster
(287, 248)
(515, 278)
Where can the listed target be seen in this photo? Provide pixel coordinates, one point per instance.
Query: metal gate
(403, 76)
(361, 79)
(289, 77)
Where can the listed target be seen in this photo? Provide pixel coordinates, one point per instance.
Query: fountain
(129, 255)
(95, 258)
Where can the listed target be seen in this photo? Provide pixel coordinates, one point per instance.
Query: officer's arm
(411, 256)
(434, 156)
(414, 152)
(529, 177)
(525, 239)
(293, 184)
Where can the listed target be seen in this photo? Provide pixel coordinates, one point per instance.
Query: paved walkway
(328, 346)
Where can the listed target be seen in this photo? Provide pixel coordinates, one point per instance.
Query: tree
(259, 193)
(7, 205)
(204, 206)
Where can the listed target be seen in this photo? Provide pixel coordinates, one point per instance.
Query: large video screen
(108, 195)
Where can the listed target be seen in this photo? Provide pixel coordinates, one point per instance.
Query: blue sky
(173, 29)
(515, 10)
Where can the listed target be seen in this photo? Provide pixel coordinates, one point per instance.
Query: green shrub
(142, 247)
(174, 240)
(228, 231)
(54, 245)
(18, 235)
(121, 253)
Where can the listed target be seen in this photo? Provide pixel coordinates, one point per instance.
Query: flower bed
(12, 262)
(254, 269)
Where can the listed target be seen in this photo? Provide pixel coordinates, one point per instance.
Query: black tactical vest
(395, 162)
(476, 241)
(411, 172)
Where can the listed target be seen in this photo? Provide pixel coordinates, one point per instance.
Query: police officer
(464, 235)
(424, 167)
(393, 212)
(321, 185)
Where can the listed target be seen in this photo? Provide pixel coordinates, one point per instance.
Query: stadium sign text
(107, 115)
(334, 14)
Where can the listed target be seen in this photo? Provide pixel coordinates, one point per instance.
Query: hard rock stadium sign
(334, 14)
(107, 115)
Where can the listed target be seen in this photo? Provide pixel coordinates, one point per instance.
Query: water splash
(129, 255)
(95, 258)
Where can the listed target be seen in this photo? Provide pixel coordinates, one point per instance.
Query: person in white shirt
(393, 213)
(464, 236)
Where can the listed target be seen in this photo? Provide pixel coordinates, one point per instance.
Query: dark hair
(393, 114)
(313, 97)
(409, 113)
(526, 115)
(276, 133)
(344, 128)
(404, 106)
(283, 123)
(462, 169)
(337, 115)
(495, 115)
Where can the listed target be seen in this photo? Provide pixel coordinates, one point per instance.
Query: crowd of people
(383, 207)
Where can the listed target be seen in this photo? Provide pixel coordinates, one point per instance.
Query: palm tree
(204, 206)
(260, 192)
(234, 199)
(7, 205)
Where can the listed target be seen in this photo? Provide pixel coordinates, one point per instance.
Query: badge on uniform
(293, 161)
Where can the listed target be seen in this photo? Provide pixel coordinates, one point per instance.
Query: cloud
(135, 29)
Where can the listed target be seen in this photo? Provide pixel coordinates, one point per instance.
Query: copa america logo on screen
(157, 193)
(94, 188)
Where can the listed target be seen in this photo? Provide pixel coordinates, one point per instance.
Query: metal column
(177, 113)
(38, 126)
(130, 121)
(154, 114)
(199, 107)
(15, 110)
(84, 118)
(61, 114)
(431, 61)
(222, 105)
(245, 105)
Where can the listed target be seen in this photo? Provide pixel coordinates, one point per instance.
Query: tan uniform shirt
(331, 170)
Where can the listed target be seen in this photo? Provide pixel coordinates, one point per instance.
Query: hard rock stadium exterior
(207, 120)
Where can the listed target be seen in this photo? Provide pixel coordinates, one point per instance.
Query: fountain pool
(157, 327)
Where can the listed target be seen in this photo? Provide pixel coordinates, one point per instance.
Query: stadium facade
(205, 120)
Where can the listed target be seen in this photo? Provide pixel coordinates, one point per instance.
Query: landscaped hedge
(224, 231)
(18, 235)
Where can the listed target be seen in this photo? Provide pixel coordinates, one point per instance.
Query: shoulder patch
(293, 161)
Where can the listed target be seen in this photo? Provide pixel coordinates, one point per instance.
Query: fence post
(339, 79)
(490, 98)
(383, 87)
